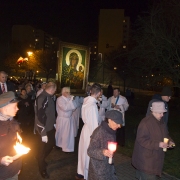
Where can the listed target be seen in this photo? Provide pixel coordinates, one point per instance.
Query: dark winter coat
(147, 155)
(25, 113)
(99, 168)
(156, 98)
(44, 113)
(8, 137)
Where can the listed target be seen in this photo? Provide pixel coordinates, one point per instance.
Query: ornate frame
(61, 58)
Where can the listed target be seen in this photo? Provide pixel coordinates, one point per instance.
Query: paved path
(62, 166)
(126, 172)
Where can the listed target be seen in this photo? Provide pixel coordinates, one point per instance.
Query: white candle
(165, 141)
(112, 148)
(17, 156)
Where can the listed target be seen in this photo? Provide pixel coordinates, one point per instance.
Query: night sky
(73, 21)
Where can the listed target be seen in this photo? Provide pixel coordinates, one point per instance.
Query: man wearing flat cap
(148, 154)
(9, 169)
(99, 168)
(165, 96)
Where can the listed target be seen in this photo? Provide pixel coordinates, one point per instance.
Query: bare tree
(156, 54)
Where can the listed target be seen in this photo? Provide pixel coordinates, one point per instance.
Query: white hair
(65, 89)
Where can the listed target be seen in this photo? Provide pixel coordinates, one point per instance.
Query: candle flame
(20, 149)
(112, 146)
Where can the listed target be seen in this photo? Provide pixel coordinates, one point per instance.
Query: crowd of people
(34, 108)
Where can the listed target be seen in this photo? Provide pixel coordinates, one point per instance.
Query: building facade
(27, 38)
(113, 31)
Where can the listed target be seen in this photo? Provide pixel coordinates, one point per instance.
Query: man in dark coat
(9, 169)
(148, 154)
(99, 168)
(164, 97)
(44, 125)
(4, 85)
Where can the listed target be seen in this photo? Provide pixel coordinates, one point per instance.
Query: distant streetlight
(115, 68)
(29, 53)
(37, 71)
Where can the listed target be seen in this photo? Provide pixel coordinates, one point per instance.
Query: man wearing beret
(165, 96)
(99, 168)
(9, 169)
(148, 154)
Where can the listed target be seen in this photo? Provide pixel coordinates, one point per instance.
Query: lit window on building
(36, 39)
(94, 46)
(124, 47)
(94, 52)
(124, 20)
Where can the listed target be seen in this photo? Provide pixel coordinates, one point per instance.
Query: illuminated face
(28, 89)
(166, 98)
(66, 93)
(113, 125)
(53, 90)
(116, 93)
(158, 115)
(11, 109)
(23, 92)
(3, 77)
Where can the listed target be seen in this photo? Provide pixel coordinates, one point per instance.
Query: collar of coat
(107, 128)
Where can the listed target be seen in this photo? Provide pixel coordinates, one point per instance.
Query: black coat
(10, 87)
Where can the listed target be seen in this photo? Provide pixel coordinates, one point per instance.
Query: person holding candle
(9, 127)
(99, 168)
(148, 154)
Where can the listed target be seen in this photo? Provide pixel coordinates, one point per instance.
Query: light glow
(112, 146)
(20, 149)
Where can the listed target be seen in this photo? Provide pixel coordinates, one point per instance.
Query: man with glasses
(165, 96)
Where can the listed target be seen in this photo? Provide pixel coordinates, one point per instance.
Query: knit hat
(7, 98)
(115, 116)
(158, 107)
(166, 91)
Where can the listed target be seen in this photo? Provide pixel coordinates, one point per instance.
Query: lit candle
(112, 147)
(165, 141)
(20, 149)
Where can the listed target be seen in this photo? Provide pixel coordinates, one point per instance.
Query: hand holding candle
(165, 141)
(20, 149)
(112, 147)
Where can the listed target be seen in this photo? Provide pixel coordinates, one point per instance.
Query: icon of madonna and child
(73, 70)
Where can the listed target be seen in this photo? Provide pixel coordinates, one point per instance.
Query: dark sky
(73, 21)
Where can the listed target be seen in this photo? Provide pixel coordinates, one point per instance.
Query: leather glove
(44, 139)
(6, 160)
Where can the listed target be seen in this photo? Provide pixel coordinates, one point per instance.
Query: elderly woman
(99, 168)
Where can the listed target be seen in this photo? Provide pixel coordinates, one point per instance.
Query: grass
(138, 112)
